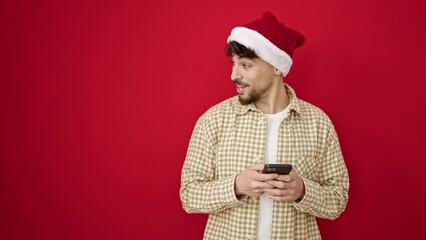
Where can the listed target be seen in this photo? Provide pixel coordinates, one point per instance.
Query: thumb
(257, 167)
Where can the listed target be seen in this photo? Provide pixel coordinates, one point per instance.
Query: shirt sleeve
(200, 191)
(328, 197)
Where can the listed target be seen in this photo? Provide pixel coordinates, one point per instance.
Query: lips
(241, 88)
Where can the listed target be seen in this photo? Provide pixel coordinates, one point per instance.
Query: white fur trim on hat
(263, 48)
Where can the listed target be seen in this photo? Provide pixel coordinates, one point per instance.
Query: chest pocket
(308, 167)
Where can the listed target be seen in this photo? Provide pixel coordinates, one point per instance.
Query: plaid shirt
(229, 137)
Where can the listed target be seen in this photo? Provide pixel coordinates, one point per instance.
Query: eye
(246, 66)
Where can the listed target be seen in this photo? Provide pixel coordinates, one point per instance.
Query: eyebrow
(251, 59)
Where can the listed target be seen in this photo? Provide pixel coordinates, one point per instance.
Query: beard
(252, 97)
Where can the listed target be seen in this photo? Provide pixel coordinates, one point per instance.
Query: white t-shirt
(264, 224)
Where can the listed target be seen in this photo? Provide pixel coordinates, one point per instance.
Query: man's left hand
(288, 188)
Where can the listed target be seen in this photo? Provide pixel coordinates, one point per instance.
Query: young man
(265, 123)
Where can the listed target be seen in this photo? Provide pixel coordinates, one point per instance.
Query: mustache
(239, 82)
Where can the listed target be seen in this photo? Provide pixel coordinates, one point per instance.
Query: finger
(277, 184)
(266, 177)
(259, 186)
(280, 198)
(275, 192)
(257, 167)
(284, 178)
(266, 186)
(278, 192)
(280, 195)
(290, 177)
(293, 175)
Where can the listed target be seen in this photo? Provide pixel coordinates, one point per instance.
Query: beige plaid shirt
(229, 137)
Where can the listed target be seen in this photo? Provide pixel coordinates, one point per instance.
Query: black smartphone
(283, 169)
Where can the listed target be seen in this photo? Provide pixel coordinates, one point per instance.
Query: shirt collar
(294, 103)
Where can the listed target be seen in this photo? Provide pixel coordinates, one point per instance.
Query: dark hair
(234, 48)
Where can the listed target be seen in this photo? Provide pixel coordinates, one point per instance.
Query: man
(265, 123)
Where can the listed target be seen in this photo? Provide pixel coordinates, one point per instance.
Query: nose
(235, 74)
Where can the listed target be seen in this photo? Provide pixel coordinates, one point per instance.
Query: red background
(99, 98)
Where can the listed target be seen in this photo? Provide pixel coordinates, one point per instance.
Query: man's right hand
(252, 182)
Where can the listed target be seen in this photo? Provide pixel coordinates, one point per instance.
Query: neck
(275, 101)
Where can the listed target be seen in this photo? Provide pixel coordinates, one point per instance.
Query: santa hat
(270, 40)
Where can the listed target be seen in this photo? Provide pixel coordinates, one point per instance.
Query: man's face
(253, 77)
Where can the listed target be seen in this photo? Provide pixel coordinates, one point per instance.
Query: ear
(277, 72)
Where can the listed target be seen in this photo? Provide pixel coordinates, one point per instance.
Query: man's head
(253, 76)
(269, 39)
(261, 55)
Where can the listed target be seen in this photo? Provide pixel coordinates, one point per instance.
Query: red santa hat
(270, 40)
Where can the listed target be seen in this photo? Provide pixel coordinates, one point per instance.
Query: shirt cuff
(310, 198)
(230, 194)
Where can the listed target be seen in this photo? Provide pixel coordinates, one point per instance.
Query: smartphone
(283, 169)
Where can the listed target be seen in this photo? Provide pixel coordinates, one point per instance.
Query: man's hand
(253, 183)
(286, 188)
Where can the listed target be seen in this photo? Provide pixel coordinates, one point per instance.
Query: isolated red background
(99, 98)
